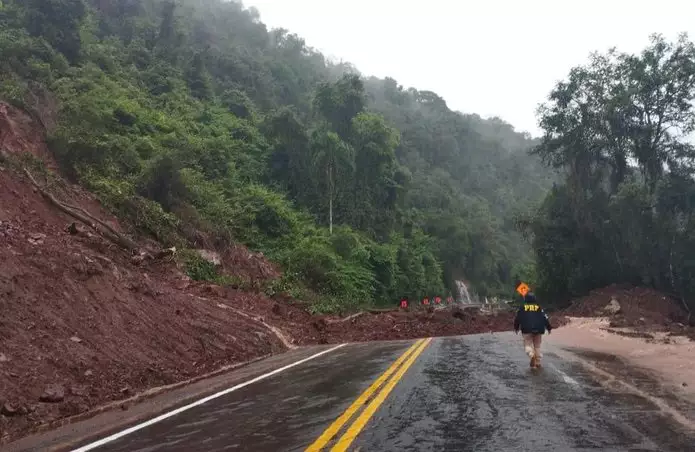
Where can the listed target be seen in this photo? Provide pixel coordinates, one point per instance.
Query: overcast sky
(491, 57)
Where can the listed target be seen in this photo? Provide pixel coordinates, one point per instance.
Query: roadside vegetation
(620, 130)
(202, 128)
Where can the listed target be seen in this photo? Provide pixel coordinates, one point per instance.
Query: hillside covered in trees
(620, 130)
(201, 127)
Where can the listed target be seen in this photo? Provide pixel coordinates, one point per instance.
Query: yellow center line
(357, 426)
(333, 429)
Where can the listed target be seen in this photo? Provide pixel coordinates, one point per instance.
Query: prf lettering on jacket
(531, 307)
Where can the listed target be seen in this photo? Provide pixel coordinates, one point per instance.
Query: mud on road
(472, 393)
(82, 325)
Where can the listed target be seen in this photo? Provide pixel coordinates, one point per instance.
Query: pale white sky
(491, 57)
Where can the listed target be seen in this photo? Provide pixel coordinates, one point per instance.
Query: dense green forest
(620, 130)
(202, 127)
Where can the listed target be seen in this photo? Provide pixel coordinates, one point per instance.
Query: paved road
(473, 393)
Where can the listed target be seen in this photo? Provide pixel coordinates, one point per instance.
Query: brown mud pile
(409, 325)
(83, 325)
(639, 308)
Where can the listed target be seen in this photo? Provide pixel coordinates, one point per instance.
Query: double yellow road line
(396, 372)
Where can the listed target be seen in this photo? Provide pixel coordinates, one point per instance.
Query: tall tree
(239, 118)
(59, 22)
(618, 128)
(332, 158)
(198, 78)
(340, 102)
(375, 189)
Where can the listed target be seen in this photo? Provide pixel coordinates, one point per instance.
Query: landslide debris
(641, 309)
(87, 320)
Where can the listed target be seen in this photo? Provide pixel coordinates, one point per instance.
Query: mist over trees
(618, 128)
(202, 127)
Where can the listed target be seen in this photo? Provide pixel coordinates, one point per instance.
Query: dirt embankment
(640, 309)
(409, 325)
(83, 324)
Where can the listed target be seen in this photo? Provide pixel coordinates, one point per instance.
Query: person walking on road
(533, 322)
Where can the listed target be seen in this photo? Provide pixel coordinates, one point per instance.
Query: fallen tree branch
(274, 330)
(382, 311)
(165, 252)
(86, 218)
(348, 318)
(100, 222)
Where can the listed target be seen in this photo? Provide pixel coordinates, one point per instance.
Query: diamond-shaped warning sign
(523, 289)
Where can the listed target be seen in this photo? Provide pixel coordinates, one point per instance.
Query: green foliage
(147, 215)
(618, 129)
(198, 79)
(289, 284)
(197, 124)
(464, 181)
(58, 22)
(196, 267)
(199, 269)
(331, 305)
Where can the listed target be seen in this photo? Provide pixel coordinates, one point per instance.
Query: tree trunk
(673, 282)
(330, 201)
(85, 217)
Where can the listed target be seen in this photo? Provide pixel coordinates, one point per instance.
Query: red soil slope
(82, 325)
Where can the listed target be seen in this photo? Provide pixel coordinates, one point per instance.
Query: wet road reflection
(472, 393)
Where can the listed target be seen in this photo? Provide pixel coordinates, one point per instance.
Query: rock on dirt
(78, 390)
(9, 410)
(611, 308)
(642, 309)
(633, 306)
(212, 257)
(36, 239)
(53, 394)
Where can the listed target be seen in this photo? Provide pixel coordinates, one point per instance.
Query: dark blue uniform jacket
(531, 319)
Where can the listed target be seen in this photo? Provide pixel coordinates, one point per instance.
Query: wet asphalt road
(473, 393)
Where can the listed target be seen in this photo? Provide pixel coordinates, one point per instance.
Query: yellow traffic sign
(523, 289)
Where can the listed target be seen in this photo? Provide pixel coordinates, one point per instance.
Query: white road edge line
(142, 425)
(564, 376)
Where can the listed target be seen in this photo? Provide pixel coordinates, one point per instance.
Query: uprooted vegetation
(169, 207)
(204, 129)
(84, 323)
(87, 320)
